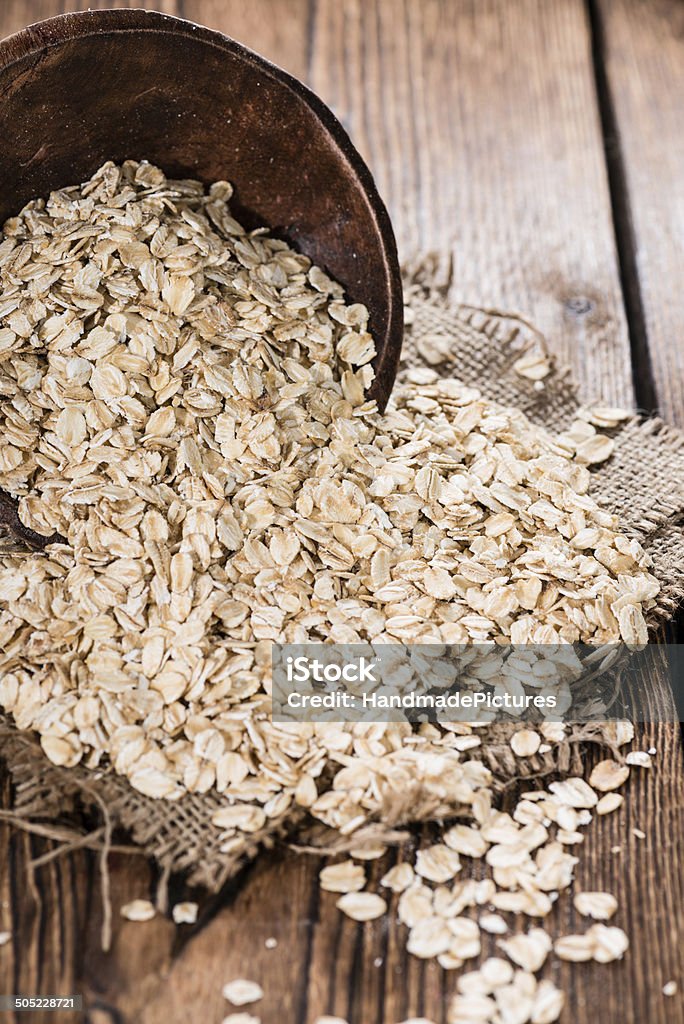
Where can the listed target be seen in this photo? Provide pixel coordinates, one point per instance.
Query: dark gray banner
(475, 682)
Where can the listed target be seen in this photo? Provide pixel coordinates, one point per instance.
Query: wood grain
(17, 14)
(644, 60)
(45, 913)
(281, 32)
(480, 121)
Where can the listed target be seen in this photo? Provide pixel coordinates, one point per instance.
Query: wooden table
(540, 143)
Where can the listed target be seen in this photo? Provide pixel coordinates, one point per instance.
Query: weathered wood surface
(483, 121)
(643, 50)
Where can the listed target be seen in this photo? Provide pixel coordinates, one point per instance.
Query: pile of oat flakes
(184, 403)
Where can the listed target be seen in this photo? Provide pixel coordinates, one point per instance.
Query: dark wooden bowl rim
(36, 40)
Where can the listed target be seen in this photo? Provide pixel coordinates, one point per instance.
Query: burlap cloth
(643, 481)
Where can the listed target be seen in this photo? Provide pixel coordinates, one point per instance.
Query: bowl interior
(110, 85)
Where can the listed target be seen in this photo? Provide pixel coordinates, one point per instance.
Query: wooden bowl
(110, 85)
(81, 89)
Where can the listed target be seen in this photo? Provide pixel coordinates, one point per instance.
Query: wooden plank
(282, 39)
(17, 14)
(644, 874)
(276, 900)
(643, 46)
(278, 32)
(479, 120)
(42, 955)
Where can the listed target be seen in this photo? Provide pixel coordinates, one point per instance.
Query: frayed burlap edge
(642, 482)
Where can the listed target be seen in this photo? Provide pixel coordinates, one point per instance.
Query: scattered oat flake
(608, 775)
(241, 1018)
(534, 365)
(610, 943)
(242, 816)
(471, 1008)
(601, 943)
(595, 449)
(599, 905)
(575, 792)
(639, 758)
(5, 937)
(606, 415)
(494, 971)
(638, 833)
(343, 877)
(525, 742)
(241, 991)
(138, 910)
(609, 803)
(415, 903)
(437, 863)
(185, 913)
(620, 732)
(466, 937)
(577, 948)
(449, 962)
(362, 906)
(369, 851)
(429, 938)
(548, 1003)
(399, 877)
(670, 988)
(529, 950)
(466, 840)
(493, 923)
